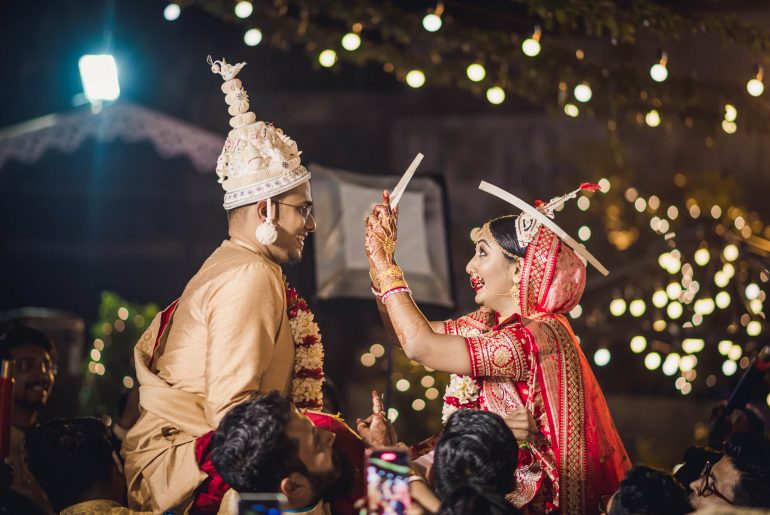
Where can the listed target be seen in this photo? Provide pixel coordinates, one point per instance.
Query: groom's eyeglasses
(306, 210)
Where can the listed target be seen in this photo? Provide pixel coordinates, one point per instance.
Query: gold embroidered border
(539, 264)
(571, 435)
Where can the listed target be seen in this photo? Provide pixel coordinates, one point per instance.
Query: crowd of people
(231, 383)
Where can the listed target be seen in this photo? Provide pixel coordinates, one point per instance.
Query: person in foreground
(647, 491)
(267, 445)
(517, 355)
(740, 477)
(475, 461)
(75, 463)
(237, 329)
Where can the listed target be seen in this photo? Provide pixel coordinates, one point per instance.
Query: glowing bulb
(722, 299)
(729, 367)
(617, 307)
(755, 87)
(571, 110)
(583, 203)
(735, 352)
(602, 357)
(693, 345)
(99, 75)
(96, 355)
(671, 364)
(753, 328)
(431, 393)
(752, 291)
(704, 306)
(583, 92)
(638, 344)
(476, 72)
(243, 9)
(637, 308)
(674, 310)
(702, 257)
(584, 233)
(402, 385)
(427, 381)
(687, 363)
(721, 279)
(392, 414)
(172, 12)
(756, 306)
(659, 298)
(418, 405)
(686, 388)
(576, 311)
(673, 290)
(652, 118)
(659, 325)
(604, 185)
(730, 252)
(432, 22)
(531, 45)
(731, 113)
(729, 127)
(252, 37)
(415, 78)
(351, 41)
(496, 95)
(672, 212)
(327, 58)
(368, 359)
(652, 360)
(724, 347)
(377, 350)
(658, 72)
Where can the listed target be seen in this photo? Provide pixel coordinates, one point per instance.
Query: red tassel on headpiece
(589, 186)
(538, 203)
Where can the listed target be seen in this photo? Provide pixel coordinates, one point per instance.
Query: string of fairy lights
(495, 73)
(717, 273)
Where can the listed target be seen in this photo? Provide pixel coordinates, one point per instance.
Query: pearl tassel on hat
(266, 232)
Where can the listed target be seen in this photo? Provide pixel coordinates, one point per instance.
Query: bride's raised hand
(381, 234)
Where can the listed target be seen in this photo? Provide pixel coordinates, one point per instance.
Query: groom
(229, 335)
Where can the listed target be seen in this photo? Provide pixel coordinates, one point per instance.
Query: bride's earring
(266, 232)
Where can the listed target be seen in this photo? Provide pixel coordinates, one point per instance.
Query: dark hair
(474, 464)
(504, 231)
(647, 490)
(15, 335)
(750, 454)
(69, 456)
(722, 424)
(251, 450)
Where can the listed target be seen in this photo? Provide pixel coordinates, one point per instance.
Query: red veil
(591, 458)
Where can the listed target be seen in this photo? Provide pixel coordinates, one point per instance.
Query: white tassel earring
(266, 232)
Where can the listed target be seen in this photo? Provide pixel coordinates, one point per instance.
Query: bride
(517, 355)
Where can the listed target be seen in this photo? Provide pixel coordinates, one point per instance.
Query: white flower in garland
(463, 388)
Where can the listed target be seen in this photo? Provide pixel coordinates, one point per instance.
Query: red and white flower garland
(308, 378)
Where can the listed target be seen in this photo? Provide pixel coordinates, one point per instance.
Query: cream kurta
(229, 338)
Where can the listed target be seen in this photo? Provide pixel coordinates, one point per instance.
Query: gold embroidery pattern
(499, 354)
(472, 324)
(539, 264)
(572, 448)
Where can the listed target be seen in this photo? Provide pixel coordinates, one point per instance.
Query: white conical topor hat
(258, 161)
(539, 218)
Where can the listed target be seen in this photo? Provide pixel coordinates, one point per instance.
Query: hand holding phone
(387, 480)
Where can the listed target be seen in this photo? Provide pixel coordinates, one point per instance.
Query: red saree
(535, 361)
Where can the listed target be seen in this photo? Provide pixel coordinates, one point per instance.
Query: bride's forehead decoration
(532, 218)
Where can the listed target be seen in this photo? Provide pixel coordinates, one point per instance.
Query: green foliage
(110, 359)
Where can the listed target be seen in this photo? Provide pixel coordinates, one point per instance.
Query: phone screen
(261, 504)
(387, 473)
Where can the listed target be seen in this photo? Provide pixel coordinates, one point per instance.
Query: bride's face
(493, 275)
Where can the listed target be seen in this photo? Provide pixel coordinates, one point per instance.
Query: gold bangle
(393, 284)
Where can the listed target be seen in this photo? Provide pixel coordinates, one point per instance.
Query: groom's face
(295, 222)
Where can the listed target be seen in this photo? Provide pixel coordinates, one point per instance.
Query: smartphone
(387, 481)
(261, 504)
